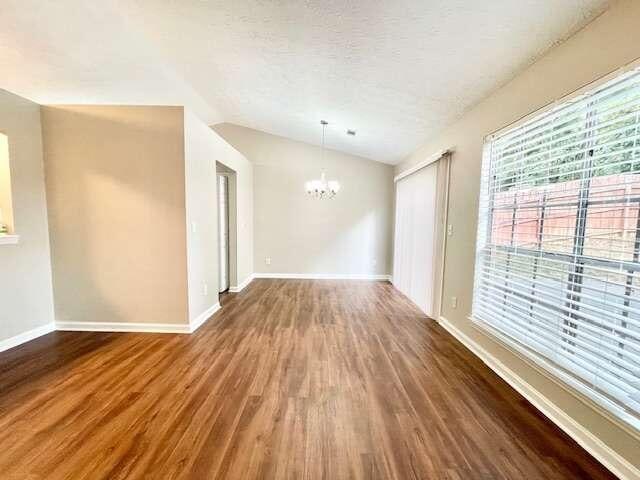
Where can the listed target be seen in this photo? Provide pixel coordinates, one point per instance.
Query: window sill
(596, 402)
(9, 239)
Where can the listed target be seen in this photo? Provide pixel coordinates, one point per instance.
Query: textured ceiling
(81, 51)
(396, 71)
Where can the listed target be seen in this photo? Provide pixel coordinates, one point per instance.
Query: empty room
(259, 239)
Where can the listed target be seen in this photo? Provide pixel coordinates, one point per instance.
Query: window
(6, 210)
(558, 249)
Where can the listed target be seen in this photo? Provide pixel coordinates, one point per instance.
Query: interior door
(223, 233)
(415, 237)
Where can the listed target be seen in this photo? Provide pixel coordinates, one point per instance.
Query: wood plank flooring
(292, 379)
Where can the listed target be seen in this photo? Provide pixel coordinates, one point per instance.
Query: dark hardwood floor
(292, 379)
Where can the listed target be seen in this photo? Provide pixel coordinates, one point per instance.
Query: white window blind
(558, 248)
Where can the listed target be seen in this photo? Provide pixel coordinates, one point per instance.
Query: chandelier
(321, 188)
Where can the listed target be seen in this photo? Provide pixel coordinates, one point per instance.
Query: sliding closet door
(416, 237)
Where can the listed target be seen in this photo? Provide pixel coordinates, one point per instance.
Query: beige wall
(115, 181)
(349, 235)
(608, 43)
(203, 148)
(26, 300)
(201, 216)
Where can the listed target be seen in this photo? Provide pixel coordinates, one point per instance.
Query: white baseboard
(123, 327)
(26, 336)
(322, 276)
(203, 317)
(139, 327)
(598, 449)
(239, 288)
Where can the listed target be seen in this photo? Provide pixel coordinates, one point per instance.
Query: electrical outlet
(267, 260)
(205, 289)
(454, 302)
(450, 229)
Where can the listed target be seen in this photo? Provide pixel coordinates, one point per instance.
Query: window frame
(10, 238)
(549, 369)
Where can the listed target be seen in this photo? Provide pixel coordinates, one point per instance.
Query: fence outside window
(557, 268)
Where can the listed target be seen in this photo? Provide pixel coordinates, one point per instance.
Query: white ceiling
(396, 71)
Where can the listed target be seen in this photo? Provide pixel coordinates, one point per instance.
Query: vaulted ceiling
(396, 71)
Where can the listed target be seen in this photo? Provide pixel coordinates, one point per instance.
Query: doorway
(227, 247)
(223, 232)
